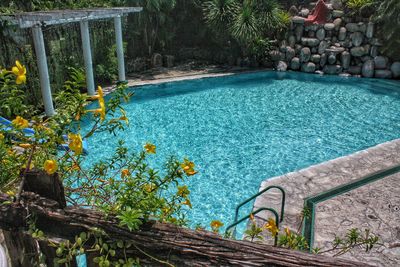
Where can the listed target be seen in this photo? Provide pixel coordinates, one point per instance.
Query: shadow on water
(148, 92)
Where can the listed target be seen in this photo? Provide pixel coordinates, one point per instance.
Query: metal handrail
(254, 213)
(260, 193)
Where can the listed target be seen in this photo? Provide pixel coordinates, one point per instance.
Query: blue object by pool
(81, 260)
(242, 129)
(30, 132)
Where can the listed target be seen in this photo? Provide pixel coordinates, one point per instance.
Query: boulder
(383, 74)
(354, 70)
(352, 27)
(323, 45)
(305, 54)
(357, 38)
(282, 66)
(316, 58)
(304, 12)
(293, 11)
(337, 4)
(332, 59)
(332, 69)
(337, 22)
(342, 34)
(298, 32)
(368, 69)
(381, 62)
(373, 51)
(395, 68)
(324, 59)
(308, 67)
(292, 41)
(298, 48)
(321, 34)
(298, 20)
(337, 13)
(366, 58)
(157, 60)
(345, 58)
(358, 51)
(290, 53)
(312, 27)
(356, 27)
(346, 43)
(309, 41)
(370, 30)
(375, 41)
(276, 55)
(329, 26)
(295, 63)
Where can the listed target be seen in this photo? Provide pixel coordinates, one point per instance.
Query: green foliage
(107, 71)
(252, 23)
(13, 97)
(150, 24)
(388, 17)
(358, 4)
(293, 241)
(254, 232)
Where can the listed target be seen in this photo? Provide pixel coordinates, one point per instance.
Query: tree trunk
(167, 242)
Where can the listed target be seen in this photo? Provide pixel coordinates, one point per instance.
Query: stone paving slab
(319, 178)
(375, 206)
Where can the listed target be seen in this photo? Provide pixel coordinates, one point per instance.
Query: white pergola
(37, 20)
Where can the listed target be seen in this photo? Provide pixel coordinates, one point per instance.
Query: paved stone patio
(374, 206)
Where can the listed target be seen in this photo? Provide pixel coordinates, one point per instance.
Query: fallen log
(176, 245)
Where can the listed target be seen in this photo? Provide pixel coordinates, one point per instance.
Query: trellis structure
(37, 20)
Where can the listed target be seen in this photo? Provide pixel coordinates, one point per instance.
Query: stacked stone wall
(341, 46)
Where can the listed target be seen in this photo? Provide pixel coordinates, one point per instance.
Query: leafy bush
(358, 4)
(251, 23)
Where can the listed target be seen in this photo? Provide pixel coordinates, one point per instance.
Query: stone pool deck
(375, 206)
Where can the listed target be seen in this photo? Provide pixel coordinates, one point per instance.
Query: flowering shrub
(124, 185)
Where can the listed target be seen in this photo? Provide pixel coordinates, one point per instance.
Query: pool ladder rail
(278, 219)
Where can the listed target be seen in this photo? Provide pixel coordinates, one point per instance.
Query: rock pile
(340, 46)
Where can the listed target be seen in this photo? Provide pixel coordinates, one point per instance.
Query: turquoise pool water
(243, 129)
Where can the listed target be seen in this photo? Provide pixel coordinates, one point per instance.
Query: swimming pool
(243, 129)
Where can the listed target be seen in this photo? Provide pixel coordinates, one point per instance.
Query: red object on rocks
(319, 15)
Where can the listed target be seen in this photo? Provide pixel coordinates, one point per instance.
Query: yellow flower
(10, 193)
(102, 110)
(25, 146)
(20, 123)
(188, 167)
(252, 217)
(1, 136)
(215, 225)
(149, 187)
(75, 143)
(19, 70)
(124, 117)
(287, 231)
(124, 173)
(183, 191)
(187, 203)
(271, 227)
(150, 148)
(50, 166)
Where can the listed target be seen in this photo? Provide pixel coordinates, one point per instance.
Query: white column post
(43, 69)
(120, 48)
(87, 56)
